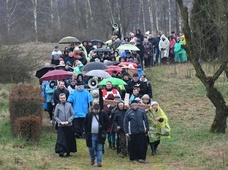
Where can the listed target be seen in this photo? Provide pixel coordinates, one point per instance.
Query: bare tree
(143, 16)
(200, 27)
(11, 7)
(151, 17)
(34, 9)
(169, 15)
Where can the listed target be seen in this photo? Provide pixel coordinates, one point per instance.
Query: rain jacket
(155, 126)
(164, 46)
(180, 53)
(81, 100)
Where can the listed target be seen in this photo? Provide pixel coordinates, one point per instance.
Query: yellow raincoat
(156, 126)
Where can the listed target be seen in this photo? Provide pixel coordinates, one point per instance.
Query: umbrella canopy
(43, 70)
(111, 63)
(111, 69)
(114, 81)
(102, 50)
(68, 40)
(94, 66)
(128, 65)
(96, 41)
(56, 75)
(98, 73)
(128, 47)
(117, 43)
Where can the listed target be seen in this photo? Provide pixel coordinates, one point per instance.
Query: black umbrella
(102, 50)
(43, 70)
(111, 63)
(94, 66)
(96, 41)
(117, 43)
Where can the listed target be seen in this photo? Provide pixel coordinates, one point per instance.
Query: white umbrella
(98, 73)
(128, 47)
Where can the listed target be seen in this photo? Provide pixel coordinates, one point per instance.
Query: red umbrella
(56, 75)
(128, 65)
(112, 69)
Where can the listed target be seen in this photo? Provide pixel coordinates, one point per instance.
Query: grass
(191, 147)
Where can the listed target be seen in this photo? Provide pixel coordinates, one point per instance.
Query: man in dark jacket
(95, 126)
(136, 128)
(135, 82)
(118, 124)
(60, 89)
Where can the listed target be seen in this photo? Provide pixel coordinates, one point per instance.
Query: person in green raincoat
(159, 126)
(180, 53)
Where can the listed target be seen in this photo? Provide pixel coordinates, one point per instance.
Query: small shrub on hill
(24, 101)
(17, 65)
(29, 127)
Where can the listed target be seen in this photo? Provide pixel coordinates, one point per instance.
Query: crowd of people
(125, 116)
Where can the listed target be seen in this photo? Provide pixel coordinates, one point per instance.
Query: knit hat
(145, 96)
(134, 102)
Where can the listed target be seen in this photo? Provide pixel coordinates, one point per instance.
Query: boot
(110, 145)
(156, 145)
(152, 146)
(113, 146)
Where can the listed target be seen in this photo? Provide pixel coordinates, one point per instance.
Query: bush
(17, 65)
(29, 127)
(24, 101)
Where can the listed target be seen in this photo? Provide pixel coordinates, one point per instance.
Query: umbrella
(114, 81)
(128, 65)
(128, 47)
(68, 39)
(111, 63)
(117, 43)
(56, 75)
(94, 66)
(96, 41)
(98, 73)
(108, 41)
(102, 50)
(111, 69)
(43, 70)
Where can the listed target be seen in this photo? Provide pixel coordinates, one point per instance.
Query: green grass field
(190, 113)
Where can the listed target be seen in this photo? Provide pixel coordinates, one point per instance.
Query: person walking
(95, 126)
(64, 116)
(159, 126)
(118, 122)
(50, 102)
(81, 99)
(136, 128)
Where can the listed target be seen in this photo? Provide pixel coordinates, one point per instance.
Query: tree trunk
(34, 2)
(90, 13)
(52, 17)
(177, 20)
(169, 13)
(219, 124)
(58, 16)
(143, 16)
(156, 15)
(151, 17)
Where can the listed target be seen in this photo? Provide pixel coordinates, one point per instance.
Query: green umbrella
(128, 47)
(114, 81)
